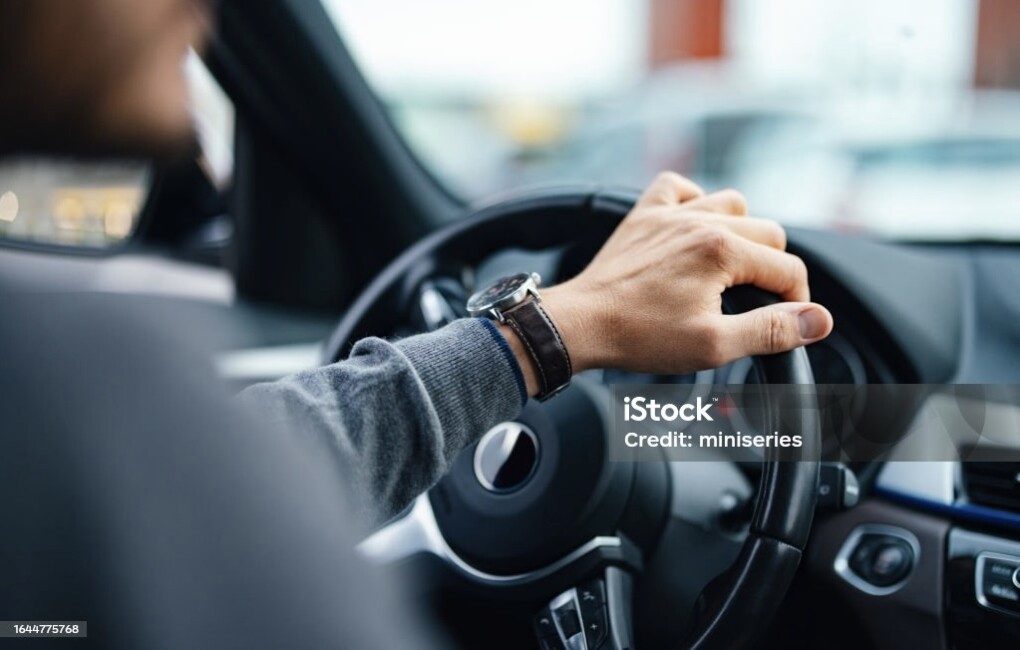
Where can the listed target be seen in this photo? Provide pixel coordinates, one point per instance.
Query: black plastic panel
(972, 625)
(908, 618)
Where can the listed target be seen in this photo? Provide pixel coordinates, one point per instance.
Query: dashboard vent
(996, 485)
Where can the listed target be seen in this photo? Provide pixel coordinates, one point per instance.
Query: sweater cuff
(508, 354)
(471, 375)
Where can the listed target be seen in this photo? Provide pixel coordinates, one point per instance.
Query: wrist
(581, 324)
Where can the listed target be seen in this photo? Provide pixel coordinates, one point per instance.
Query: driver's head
(96, 76)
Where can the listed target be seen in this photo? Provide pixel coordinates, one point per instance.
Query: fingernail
(812, 323)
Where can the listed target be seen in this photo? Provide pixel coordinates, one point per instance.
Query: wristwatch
(514, 301)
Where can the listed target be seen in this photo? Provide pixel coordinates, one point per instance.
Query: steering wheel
(576, 547)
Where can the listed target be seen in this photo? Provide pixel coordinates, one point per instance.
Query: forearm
(397, 414)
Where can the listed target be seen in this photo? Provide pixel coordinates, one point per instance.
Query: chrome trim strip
(842, 562)
(418, 532)
(514, 431)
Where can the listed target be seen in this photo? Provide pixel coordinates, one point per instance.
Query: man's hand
(651, 300)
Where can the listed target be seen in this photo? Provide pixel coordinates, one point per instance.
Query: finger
(762, 231)
(729, 202)
(669, 188)
(772, 329)
(748, 262)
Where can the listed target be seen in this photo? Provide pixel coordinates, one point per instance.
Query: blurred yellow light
(530, 123)
(107, 210)
(119, 219)
(8, 206)
(69, 213)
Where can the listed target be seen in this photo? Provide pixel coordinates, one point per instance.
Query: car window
(97, 204)
(799, 104)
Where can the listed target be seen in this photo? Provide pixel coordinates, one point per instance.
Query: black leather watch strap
(544, 344)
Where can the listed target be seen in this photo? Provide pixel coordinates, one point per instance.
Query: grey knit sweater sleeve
(396, 414)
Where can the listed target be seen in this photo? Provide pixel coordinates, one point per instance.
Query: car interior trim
(418, 532)
(842, 563)
(979, 577)
(935, 486)
(931, 481)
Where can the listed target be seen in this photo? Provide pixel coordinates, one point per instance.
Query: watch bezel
(529, 283)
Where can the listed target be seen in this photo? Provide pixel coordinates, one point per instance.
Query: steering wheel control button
(544, 626)
(592, 599)
(592, 593)
(580, 617)
(997, 582)
(878, 559)
(568, 621)
(506, 457)
(596, 627)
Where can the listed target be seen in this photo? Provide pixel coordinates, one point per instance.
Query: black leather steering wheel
(612, 514)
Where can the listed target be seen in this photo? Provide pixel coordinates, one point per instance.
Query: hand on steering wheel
(670, 264)
(651, 299)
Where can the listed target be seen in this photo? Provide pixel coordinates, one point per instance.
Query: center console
(934, 561)
(982, 591)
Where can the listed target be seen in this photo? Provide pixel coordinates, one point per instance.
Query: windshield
(898, 118)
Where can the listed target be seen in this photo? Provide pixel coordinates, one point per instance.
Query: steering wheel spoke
(416, 532)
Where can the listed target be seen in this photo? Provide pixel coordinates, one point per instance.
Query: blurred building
(998, 45)
(969, 42)
(685, 29)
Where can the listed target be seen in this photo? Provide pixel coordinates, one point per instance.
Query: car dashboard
(931, 556)
(924, 559)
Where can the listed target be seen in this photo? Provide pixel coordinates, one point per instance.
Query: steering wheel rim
(780, 525)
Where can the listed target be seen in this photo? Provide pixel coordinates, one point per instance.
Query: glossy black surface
(497, 291)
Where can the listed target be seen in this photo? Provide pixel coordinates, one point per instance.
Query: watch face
(497, 291)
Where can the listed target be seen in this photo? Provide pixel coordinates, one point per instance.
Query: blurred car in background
(897, 181)
(858, 167)
(691, 118)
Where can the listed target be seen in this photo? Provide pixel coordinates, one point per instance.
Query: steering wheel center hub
(535, 489)
(506, 457)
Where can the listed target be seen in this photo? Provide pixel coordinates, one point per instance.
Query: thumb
(776, 328)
